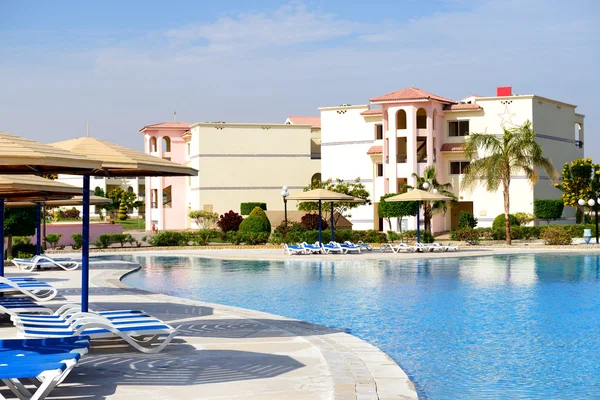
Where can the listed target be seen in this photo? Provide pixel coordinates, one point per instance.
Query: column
(390, 170)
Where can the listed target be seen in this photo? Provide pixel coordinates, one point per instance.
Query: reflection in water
(522, 326)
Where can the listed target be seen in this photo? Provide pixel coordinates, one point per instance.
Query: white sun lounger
(99, 327)
(38, 290)
(42, 261)
(293, 249)
(401, 247)
(17, 305)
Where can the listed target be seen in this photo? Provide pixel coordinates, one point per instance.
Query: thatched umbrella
(321, 195)
(418, 195)
(19, 155)
(115, 161)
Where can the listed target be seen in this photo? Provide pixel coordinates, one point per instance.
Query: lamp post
(592, 203)
(285, 194)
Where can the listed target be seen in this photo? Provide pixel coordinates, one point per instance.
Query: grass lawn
(132, 224)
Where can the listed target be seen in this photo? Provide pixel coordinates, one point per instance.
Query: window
(421, 118)
(378, 132)
(166, 144)
(152, 144)
(401, 119)
(379, 169)
(189, 148)
(458, 128)
(458, 167)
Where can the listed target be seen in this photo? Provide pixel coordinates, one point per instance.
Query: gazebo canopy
(418, 195)
(75, 201)
(121, 161)
(34, 188)
(24, 156)
(323, 195)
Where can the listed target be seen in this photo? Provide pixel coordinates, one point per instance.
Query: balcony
(401, 158)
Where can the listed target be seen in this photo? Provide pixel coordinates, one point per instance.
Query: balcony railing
(315, 156)
(401, 158)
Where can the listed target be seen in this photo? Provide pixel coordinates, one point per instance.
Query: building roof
(375, 111)
(462, 107)
(410, 94)
(315, 121)
(453, 147)
(167, 125)
(375, 150)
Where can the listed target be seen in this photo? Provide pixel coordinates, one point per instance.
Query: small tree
(230, 221)
(53, 239)
(396, 209)
(18, 222)
(204, 219)
(354, 189)
(310, 221)
(466, 220)
(579, 180)
(548, 210)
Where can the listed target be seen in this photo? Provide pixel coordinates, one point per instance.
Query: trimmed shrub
(548, 210)
(230, 221)
(500, 221)
(310, 221)
(23, 248)
(122, 214)
(524, 218)
(77, 240)
(233, 237)
(168, 238)
(247, 208)
(256, 222)
(466, 220)
(393, 236)
(121, 238)
(53, 239)
(484, 233)
(292, 226)
(468, 235)
(73, 213)
(368, 236)
(254, 238)
(201, 237)
(525, 232)
(556, 235)
(103, 241)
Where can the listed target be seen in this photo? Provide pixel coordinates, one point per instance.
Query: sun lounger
(293, 249)
(41, 261)
(350, 247)
(69, 311)
(38, 290)
(311, 248)
(99, 327)
(44, 361)
(18, 305)
(400, 247)
(364, 246)
(332, 247)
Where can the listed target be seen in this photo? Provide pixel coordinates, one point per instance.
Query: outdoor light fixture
(285, 194)
(592, 203)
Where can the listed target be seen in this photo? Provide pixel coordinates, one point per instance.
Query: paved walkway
(221, 352)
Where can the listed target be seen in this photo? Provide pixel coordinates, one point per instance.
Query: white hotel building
(414, 129)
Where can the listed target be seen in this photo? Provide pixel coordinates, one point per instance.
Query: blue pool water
(496, 327)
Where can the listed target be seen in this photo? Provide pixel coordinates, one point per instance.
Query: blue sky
(126, 64)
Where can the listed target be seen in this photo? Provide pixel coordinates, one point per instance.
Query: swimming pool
(496, 327)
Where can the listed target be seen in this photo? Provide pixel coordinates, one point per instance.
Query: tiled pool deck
(227, 352)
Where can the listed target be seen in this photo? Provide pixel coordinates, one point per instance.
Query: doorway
(466, 206)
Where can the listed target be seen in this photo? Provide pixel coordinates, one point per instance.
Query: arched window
(401, 119)
(153, 144)
(578, 135)
(130, 189)
(421, 118)
(166, 144)
(316, 177)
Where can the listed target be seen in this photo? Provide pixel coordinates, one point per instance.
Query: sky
(126, 64)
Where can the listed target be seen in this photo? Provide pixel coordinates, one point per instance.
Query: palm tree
(432, 207)
(516, 151)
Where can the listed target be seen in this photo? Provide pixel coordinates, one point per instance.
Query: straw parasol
(24, 156)
(29, 187)
(122, 161)
(418, 195)
(321, 195)
(115, 161)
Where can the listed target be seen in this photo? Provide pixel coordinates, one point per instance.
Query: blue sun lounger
(16, 305)
(44, 361)
(68, 264)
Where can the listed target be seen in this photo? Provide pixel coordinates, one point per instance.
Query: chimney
(502, 91)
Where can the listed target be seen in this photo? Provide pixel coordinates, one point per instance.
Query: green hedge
(520, 232)
(548, 210)
(500, 221)
(246, 208)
